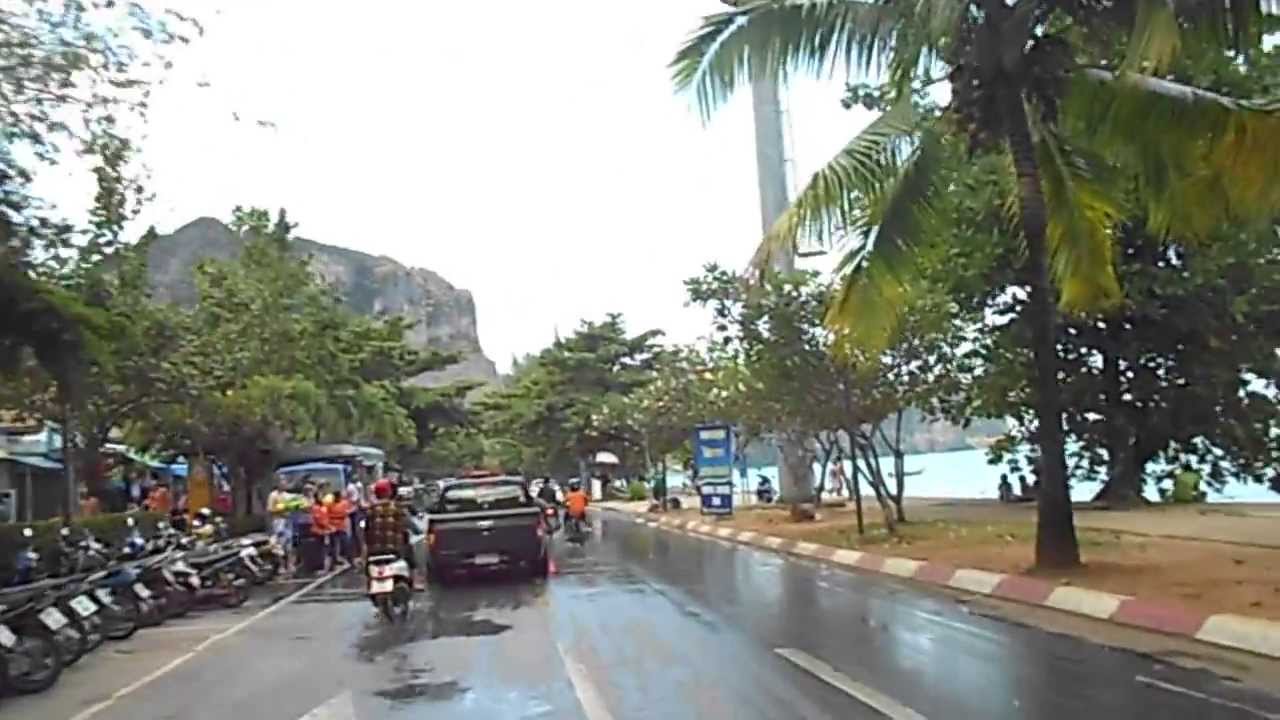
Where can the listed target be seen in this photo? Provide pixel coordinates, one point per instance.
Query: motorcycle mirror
(28, 533)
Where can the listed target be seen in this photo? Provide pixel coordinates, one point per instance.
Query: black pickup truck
(485, 524)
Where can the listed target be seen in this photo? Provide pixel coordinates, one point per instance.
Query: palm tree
(1071, 93)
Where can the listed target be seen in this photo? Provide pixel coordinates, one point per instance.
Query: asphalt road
(639, 622)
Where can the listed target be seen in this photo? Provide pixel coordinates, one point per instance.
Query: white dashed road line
(339, 707)
(95, 709)
(870, 697)
(588, 695)
(1144, 680)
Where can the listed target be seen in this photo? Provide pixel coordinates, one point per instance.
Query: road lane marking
(959, 626)
(1144, 680)
(95, 709)
(868, 696)
(186, 628)
(338, 707)
(588, 695)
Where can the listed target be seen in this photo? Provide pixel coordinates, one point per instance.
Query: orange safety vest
(320, 520)
(576, 502)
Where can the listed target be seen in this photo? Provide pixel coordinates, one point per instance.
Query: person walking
(356, 507)
(339, 528)
(320, 531)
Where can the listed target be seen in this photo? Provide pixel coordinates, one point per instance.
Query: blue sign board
(713, 460)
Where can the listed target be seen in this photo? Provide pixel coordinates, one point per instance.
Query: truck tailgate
(507, 533)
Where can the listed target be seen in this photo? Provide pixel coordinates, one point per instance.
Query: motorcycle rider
(387, 527)
(547, 494)
(575, 504)
(202, 526)
(764, 490)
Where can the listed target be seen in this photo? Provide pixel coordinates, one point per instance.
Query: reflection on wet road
(644, 623)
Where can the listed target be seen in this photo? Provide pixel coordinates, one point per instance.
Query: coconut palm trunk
(1056, 544)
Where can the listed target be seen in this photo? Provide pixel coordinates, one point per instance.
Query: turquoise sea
(966, 474)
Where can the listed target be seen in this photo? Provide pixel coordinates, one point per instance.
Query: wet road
(644, 623)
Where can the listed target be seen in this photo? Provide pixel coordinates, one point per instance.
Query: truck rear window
(471, 497)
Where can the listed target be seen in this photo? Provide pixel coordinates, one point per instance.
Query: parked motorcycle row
(98, 593)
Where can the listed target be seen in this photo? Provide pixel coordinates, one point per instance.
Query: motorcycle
(390, 586)
(576, 529)
(68, 612)
(30, 656)
(26, 563)
(764, 493)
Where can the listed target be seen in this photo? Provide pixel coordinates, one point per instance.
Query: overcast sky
(533, 153)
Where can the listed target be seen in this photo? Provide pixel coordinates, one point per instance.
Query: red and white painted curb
(1240, 632)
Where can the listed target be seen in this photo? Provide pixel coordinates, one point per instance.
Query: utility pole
(795, 477)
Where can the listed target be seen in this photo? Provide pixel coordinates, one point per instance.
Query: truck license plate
(380, 587)
(53, 618)
(489, 559)
(83, 606)
(7, 638)
(141, 591)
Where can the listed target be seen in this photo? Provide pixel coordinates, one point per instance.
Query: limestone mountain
(444, 316)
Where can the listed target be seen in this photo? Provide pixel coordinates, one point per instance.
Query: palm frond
(772, 39)
(1175, 137)
(1083, 207)
(833, 203)
(877, 274)
(1155, 39)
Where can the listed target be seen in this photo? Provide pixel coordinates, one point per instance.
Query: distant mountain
(444, 316)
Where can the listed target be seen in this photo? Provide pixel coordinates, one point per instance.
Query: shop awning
(36, 461)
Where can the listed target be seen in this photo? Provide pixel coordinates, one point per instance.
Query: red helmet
(382, 489)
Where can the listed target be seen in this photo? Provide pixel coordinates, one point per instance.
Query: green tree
(562, 406)
(74, 83)
(273, 357)
(1068, 94)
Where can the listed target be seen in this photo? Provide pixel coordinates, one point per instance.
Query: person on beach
(1005, 489)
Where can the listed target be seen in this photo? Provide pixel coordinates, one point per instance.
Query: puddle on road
(434, 691)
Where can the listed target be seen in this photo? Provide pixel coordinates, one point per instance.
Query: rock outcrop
(444, 316)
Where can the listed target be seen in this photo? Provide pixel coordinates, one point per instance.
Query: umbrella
(604, 457)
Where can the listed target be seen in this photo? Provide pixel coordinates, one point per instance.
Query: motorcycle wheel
(400, 599)
(91, 632)
(72, 645)
(122, 620)
(234, 595)
(383, 603)
(39, 648)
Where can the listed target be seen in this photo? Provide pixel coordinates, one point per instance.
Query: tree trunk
(855, 489)
(89, 460)
(1056, 545)
(1123, 488)
(875, 478)
(796, 474)
(899, 465)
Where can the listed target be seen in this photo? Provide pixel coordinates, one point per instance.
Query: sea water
(967, 474)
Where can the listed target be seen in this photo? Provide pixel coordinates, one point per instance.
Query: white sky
(533, 153)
